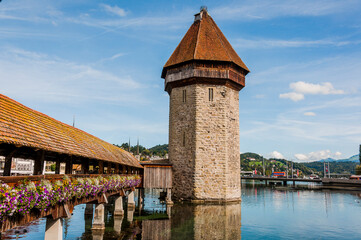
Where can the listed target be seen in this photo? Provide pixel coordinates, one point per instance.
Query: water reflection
(281, 213)
(206, 221)
(287, 213)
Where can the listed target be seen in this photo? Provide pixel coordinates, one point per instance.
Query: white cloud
(300, 89)
(309, 114)
(293, 96)
(114, 10)
(259, 96)
(264, 9)
(115, 56)
(318, 155)
(289, 43)
(59, 80)
(325, 88)
(277, 155)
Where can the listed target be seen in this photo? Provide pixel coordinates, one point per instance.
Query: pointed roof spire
(204, 41)
(129, 146)
(138, 146)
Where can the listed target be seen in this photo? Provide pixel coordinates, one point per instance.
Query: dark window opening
(184, 95)
(210, 94)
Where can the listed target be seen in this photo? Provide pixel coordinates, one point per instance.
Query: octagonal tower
(203, 77)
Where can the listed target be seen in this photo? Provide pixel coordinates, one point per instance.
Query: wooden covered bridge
(106, 170)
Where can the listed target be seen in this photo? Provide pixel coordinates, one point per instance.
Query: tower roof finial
(204, 8)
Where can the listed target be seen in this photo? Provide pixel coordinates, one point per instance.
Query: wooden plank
(157, 177)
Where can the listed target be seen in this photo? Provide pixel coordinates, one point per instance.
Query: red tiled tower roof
(204, 41)
(23, 126)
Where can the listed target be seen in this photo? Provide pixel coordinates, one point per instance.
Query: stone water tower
(203, 77)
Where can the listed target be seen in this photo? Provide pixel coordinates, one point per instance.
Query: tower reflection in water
(189, 221)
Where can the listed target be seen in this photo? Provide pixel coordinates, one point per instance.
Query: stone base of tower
(216, 201)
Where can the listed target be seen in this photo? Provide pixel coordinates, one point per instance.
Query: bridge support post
(88, 209)
(294, 183)
(98, 223)
(118, 220)
(131, 203)
(118, 206)
(265, 181)
(140, 199)
(169, 211)
(130, 214)
(169, 197)
(54, 229)
(98, 234)
(284, 183)
(88, 216)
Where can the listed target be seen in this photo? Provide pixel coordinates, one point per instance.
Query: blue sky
(101, 61)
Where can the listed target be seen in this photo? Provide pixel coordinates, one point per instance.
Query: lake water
(265, 213)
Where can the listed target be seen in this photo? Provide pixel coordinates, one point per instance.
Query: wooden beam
(109, 168)
(69, 166)
(8, 162)
(101, 167)
(85, 166)
(39, 163)
(116, 168)
(57, 167)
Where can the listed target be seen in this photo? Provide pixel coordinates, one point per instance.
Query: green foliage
(52, 167)
(158, 150)
(335, 167)
(358, 170)
(252, 161)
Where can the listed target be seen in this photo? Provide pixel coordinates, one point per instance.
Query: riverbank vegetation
(253, 161)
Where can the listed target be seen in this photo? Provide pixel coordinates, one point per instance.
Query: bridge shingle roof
(23, 126)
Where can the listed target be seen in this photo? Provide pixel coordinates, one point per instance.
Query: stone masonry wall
(208, 166)
(181, 122)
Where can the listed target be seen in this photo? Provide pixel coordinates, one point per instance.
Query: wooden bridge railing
(13, 180)
(61, 207)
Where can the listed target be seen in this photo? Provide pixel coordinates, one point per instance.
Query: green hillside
(252, 161)
(335, 167)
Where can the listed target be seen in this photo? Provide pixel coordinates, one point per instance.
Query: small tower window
(210, 94)
(184, 139)
(184, 95)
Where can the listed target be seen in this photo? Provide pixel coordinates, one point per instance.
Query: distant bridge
(331, 183)
(284, 180)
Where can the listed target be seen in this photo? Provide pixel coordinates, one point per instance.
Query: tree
(358, 170)
(52, 167)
